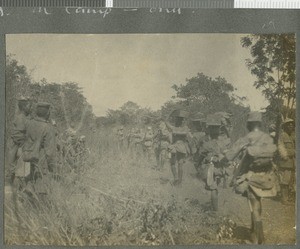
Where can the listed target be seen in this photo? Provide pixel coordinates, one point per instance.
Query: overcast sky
(113, 69)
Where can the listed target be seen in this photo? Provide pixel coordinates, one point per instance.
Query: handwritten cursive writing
(168, 11)
(82, 10)
(42, 10)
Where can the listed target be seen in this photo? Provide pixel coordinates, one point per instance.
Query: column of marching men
(260, 168)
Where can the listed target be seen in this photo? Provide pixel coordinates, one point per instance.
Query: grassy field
(119, 198)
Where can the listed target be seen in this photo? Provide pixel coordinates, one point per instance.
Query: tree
(274, 66)
(207, 95)
(69, 106)
(17, 81)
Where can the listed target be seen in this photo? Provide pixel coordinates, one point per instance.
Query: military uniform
(211, 152)
(255, 176)
(198, 138)
(179, 147)
(161, 144)
(135, 140)
(252, 168)
(148, 142)
(17, 167)
(286, 163)
(121, 137)
(40, 149)
(226, 127)
(212, 170)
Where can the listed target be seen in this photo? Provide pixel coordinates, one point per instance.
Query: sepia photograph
(150, 139)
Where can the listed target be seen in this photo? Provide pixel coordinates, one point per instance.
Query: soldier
(179, 147)
(199, 136)
(225, 134)
(40, 149)
(17, 140)
(148, 142)
(254, 177)
(226, 127)
(137, 141)
(161, 144)
(286, 164)
(212, 169)
(121, 137)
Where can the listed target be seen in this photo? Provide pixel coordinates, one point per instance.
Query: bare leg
(256, 208)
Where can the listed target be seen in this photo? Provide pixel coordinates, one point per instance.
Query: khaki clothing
(254, 174)
(286, 149)
(18, 134)
(19, 129)
(40, 136)
(197, 141)
(286, 162)
(211, 168)
(181, 137)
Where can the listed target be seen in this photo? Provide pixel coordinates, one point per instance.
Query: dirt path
(140, 183)
(279, 220)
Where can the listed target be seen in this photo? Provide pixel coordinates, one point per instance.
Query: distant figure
(148, 142)
(17, 167)
(199, 136)
(121, 137)
(161, 143)
(40, 149)
(179, 147)
(255, 176)
(226, 127)
(286, 164)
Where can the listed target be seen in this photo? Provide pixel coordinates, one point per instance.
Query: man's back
(41, 133)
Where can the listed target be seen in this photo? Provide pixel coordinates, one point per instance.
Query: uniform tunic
(286, 148)
(18, 137)
(180, 140)
(211, 168)
(41, 135)
(257, 176)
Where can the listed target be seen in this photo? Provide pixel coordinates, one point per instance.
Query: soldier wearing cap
(212, 170)
(18, 133)
(286, 164)
(40, 148)
(255, 176)
(179, 147)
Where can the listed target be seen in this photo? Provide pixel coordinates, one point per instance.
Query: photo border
(144, 20)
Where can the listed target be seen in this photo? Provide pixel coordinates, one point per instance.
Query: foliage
(17, 83)
(274, 65)
(204, 94)
(69, 106)
(108, 205)
(128, 114)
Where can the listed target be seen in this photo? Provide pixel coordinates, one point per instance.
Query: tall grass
(115, 200)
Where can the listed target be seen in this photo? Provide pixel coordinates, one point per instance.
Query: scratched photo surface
(123, 139)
